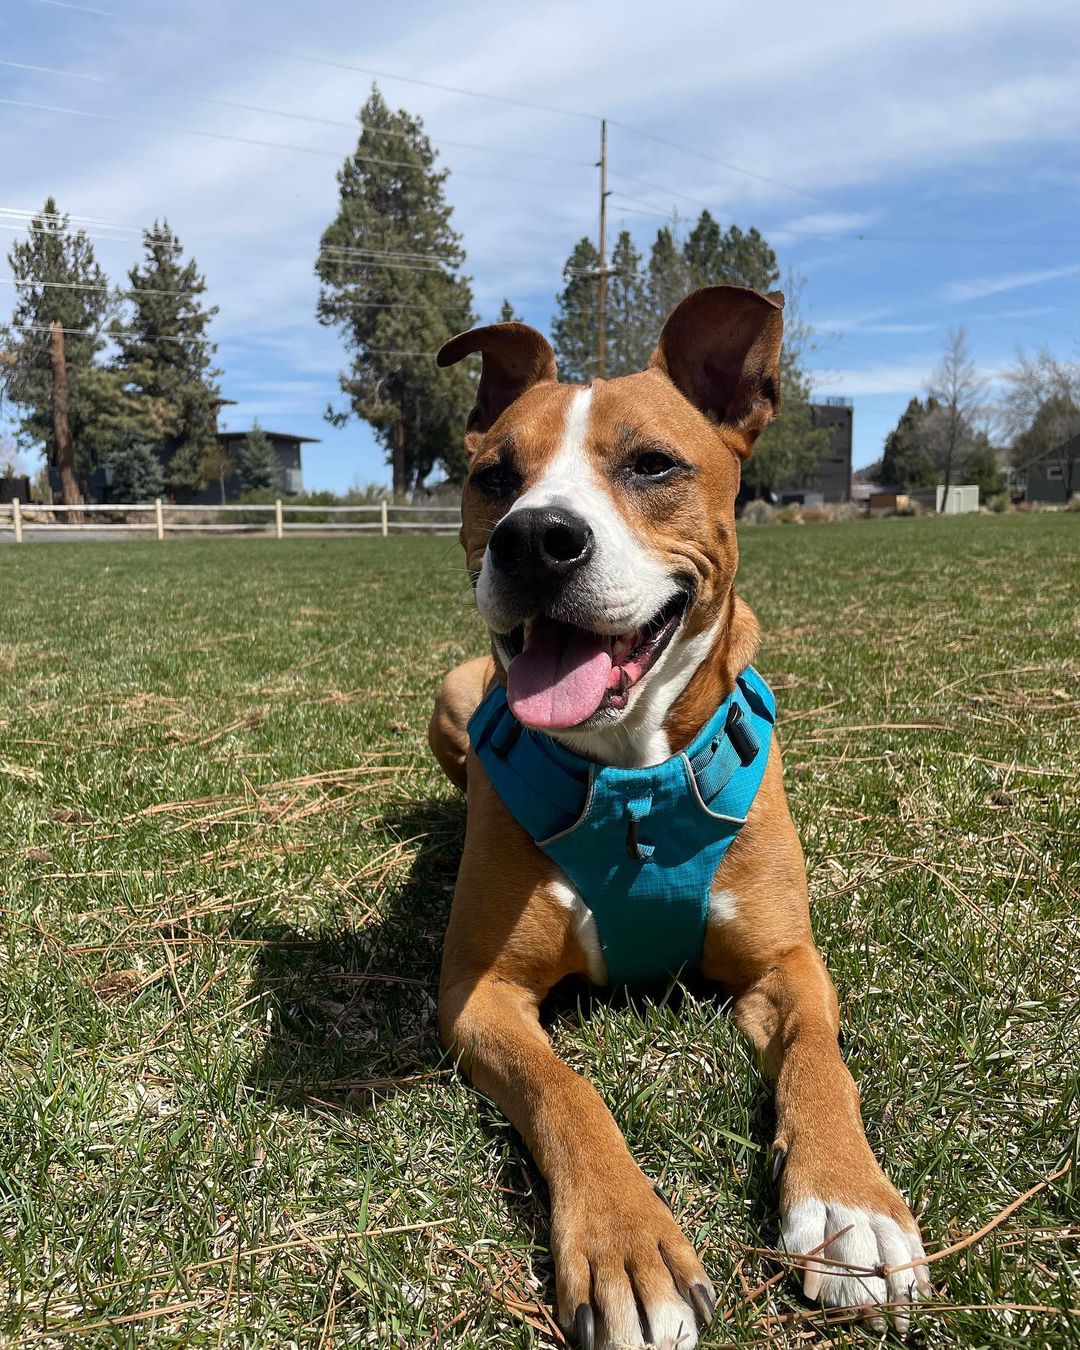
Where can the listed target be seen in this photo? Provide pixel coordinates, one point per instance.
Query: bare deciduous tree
(217, 464)
(1041, 412)
(958, 391)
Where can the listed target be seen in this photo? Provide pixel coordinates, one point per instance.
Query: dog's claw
(663, 1198)
(585, 1327)
(704, 1303)
(778, 1160)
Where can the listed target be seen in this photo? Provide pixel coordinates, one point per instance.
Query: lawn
(226, 860)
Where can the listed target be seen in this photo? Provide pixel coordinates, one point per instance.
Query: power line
(383, 263)
(323, 61)
(267, 145)
(164, 337)
(26, 218)
(671, 192)
(333, 253)
(135, 294)
(686, 150)
(91, 332)
(86, 286)
(309, 118)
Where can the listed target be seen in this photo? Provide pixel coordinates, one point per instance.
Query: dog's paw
(851, 1245)
(626, 1274)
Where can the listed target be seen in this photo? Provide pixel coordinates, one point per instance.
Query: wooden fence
(161, 519)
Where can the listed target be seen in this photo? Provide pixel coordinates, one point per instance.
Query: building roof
(274, 435)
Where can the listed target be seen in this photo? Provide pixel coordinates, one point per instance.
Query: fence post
(279, 527)
(16, 518)
(384, 517)
(159, 519)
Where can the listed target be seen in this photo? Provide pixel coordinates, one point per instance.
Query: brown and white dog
(615, 507)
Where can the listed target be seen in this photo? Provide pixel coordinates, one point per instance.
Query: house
(1050, 478)
(286, 447)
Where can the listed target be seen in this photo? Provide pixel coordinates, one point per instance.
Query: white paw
(670, 1325)
(854, 1245)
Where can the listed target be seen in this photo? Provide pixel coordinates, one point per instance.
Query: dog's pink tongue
(561, 677)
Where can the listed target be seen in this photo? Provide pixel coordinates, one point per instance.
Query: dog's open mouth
(561, 675)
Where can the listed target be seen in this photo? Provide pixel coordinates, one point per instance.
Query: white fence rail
(160, 519)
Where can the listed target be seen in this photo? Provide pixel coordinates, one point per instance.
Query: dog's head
(599, 522)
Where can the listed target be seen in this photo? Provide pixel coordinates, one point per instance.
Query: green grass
(225, 866)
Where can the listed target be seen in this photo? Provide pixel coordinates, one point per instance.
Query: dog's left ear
(721, 349)
(515, 358)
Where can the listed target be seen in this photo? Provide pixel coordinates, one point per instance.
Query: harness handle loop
(637, 810)
(640, 852)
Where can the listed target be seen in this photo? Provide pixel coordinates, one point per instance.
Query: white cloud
(824, 225)
(871, 321)
(883, 377)
(979, 288)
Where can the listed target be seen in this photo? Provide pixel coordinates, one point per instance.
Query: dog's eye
(496, 480)
(653, 464)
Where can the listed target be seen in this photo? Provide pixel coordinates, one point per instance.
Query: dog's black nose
(540, 544)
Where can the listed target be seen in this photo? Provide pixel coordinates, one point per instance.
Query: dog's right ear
(515, 358)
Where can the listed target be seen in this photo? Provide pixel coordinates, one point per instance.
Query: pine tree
(982, 467)
(389, 265)
(668, 278)
(574, 329)
(507, 315)
(58, 282)
(135, 473)
(166, 355)
(117, 414)
(256, 462)
(906, 460)
(729, 258)
(628, 330)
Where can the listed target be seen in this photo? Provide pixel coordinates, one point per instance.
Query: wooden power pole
(601, 302)
(70, 493)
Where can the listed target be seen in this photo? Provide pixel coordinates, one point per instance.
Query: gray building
(286, 448)
(1049, 479)
(290, 477)
(832, 480)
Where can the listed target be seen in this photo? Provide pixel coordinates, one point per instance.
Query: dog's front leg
(626, 1275)
(834, 1198)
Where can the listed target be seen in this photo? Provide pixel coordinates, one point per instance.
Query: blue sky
(918, 165)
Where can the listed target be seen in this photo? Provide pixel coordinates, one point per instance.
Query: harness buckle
(741, 737)
(505, 737)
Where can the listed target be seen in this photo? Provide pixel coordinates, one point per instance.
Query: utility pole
(70, 494)
(601, 336)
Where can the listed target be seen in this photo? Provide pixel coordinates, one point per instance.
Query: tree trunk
(70, 493)
(950, 453)
(397, 460)
(221, 481)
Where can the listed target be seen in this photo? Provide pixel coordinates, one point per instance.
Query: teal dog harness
(641, 846)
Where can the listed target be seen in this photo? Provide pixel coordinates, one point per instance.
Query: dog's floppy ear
(515, 358)
(721, 348)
